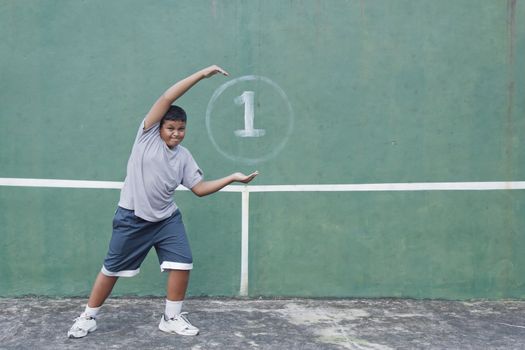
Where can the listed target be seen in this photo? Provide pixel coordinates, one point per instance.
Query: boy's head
(173, 126)
(174, 113)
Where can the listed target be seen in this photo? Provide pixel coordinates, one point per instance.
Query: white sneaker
(178, 324)
(82, 326)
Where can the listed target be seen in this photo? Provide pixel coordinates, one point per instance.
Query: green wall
(381, 91)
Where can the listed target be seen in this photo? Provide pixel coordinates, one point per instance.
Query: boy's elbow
(198, 190)
(199, 194)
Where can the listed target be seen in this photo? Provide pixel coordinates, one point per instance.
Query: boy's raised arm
(160, 107)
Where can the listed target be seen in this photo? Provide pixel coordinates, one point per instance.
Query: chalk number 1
(246, 99)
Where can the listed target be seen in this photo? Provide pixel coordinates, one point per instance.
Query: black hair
(174, 113)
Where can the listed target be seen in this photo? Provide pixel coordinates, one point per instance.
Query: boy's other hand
(212, 70)
(240, 177)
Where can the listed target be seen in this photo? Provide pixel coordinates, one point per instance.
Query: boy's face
(172, 132)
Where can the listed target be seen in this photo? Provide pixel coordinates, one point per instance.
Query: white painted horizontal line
(409, 186)
(59, 183)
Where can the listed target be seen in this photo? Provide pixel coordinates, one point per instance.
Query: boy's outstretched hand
(212, 70)
(240, 177)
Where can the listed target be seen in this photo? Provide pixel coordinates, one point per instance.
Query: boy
(147, 215)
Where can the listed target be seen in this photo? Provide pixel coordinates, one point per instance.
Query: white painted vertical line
(245, 210)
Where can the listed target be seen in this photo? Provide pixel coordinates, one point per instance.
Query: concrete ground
(36, 323)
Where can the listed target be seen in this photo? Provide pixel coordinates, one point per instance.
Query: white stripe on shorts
(169, 265)
(125, 273)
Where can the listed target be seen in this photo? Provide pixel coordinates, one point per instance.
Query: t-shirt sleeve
(142, 133)
(192, 174)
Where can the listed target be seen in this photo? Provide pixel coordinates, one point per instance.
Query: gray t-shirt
(154, 172)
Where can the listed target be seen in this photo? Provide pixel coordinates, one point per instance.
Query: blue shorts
(133, 237)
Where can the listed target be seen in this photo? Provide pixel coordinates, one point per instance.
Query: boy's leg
(177, 284)
(175, 292)
(175, 321)
(123, 259)
(86, 322)
(174, 254)
(101, 289)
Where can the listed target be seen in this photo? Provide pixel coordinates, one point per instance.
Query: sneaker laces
(183, 316)
(84, 317)
(76, 326)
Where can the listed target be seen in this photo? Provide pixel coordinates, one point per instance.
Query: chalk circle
(287, 113)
